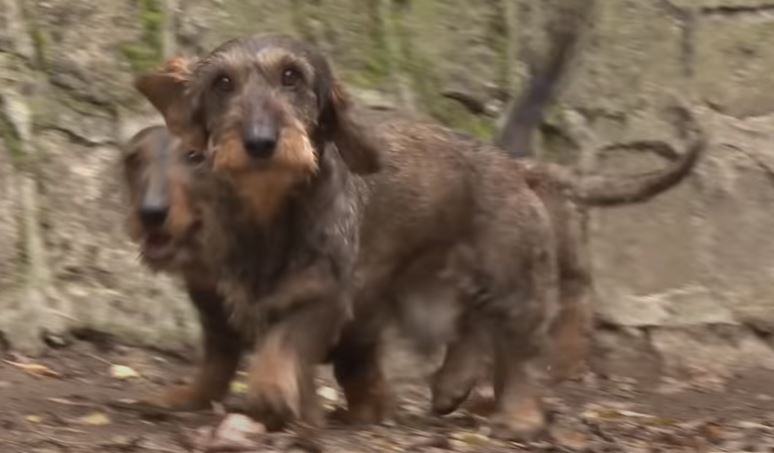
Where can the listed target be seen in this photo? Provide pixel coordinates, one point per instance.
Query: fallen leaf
(634, 414)
(66, 402)
(95, 419)
(329, 393)
(123, 372)
(34, 418)
(239, 387)
(35, 369)
(472, 439)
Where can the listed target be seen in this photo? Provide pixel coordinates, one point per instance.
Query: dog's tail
(526, 114)
(604, 190)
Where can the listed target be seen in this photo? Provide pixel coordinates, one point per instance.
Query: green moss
(71, 103)
(499, 39)
(11, 139)
(36, 35)
(378, 58)
(555, 145)
(147, 53)
(425, 81)
(300, 16)
(39, 42)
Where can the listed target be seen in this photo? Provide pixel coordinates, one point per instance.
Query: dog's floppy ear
(358, 148)
(166, 90)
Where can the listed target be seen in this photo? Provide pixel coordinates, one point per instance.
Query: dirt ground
(65, 402)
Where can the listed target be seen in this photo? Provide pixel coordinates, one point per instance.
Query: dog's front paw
(279, 391)
(450, 391)
(274, 405)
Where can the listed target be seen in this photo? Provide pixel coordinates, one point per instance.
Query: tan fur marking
(179, 68)
(295, 151)
(273, 374)
(266, 189)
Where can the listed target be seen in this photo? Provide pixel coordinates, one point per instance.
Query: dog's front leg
(281, 386)
(221, 348)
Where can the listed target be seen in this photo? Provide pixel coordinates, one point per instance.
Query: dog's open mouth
(158, 246)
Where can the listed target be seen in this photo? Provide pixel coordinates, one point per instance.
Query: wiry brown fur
(159, 176)
(280, 221)
(440, 205)
(566, 194)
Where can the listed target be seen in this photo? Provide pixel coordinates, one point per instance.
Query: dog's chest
(252, 260)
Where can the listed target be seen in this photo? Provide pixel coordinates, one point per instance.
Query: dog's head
(163, 219)
(263, 106)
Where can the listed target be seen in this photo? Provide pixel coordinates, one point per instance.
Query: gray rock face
(677, 267)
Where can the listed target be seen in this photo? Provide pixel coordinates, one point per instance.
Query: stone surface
(733, 63)
(673, 276)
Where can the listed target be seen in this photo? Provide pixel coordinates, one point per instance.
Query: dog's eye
(223, 84)
(194, 157)
(291, 77)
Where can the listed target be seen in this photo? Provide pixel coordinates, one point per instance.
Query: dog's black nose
(260, 141)
(154, 216)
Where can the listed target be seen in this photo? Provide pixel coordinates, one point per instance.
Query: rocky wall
(685, 279)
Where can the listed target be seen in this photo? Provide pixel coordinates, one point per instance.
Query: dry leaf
(123, 372)
(66, 402)
(329, 393)
(34, 418)
(35, 369)
(95, 419)
(238, 387)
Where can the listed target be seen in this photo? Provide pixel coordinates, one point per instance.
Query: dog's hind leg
(461, 367)
(358, 369)
(522, 308)
(281, 378)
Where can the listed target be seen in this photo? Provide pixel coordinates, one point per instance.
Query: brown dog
(566, 195)
(282, 208)
(165, 220)
(286, 221)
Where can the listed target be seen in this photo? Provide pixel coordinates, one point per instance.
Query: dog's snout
(154, 215)
(260, 141)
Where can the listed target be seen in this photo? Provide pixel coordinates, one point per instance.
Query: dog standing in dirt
(165, 221)
(282, 215)
(566, 195)
(288, 217)
(295, 235)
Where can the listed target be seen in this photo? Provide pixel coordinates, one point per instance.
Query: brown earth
(65, 401)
